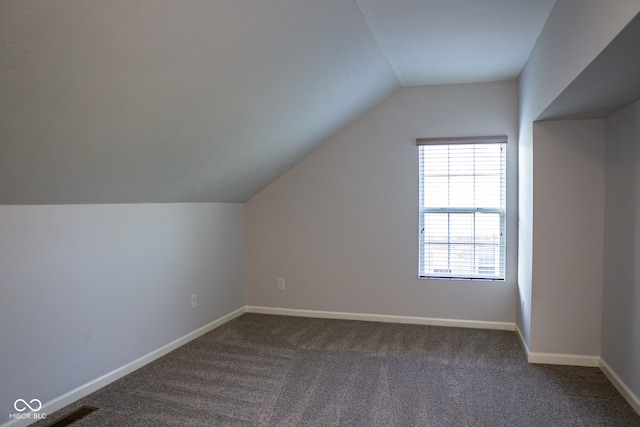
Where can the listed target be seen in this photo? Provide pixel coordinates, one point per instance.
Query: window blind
(462, 207)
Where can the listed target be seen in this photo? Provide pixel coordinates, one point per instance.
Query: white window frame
(447, 273)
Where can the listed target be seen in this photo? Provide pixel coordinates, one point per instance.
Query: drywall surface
(124, 101)
(88, 289)
(568, 226)
(452, 42)
(525, 230)
(576, 32)
(621, 298)
(609, 83)
(341, 227)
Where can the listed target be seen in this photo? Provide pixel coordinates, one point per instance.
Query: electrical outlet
(194, 301)
(281, 284)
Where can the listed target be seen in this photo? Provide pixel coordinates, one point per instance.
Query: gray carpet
(261, 370)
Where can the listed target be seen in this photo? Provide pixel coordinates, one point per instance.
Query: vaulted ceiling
(210, 101)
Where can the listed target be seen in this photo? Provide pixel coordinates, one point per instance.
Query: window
(462, 208)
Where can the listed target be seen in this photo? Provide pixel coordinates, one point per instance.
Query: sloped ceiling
(608, 84)
(209, 101)
(456, 41)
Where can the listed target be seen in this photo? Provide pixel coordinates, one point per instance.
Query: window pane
(436, 192)
(462, 202)
(437, 259)
(436, 227)
(462, 260)
(461, 191)
(487, 191)
(487, 228)
(459, 159)
(488, 158)
(461, 228)
(436, 161)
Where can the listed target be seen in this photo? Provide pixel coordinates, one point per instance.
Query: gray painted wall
(88, 289)
(568, 237)
(575, 33)
(621, 299)
(341, 227)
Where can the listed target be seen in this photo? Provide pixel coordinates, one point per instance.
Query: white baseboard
(505, 326)
(88, 388)
(557, 359)
(563, 359)
(525, 346)
(620, 385)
